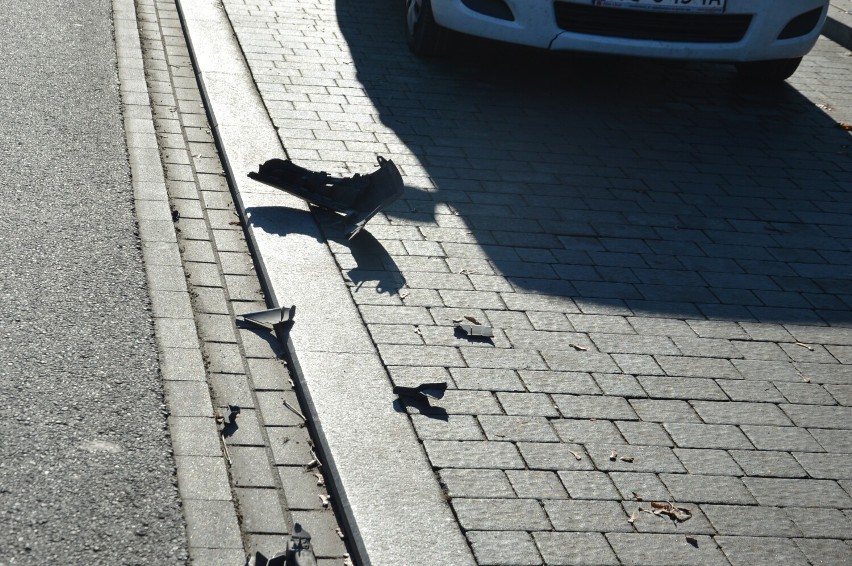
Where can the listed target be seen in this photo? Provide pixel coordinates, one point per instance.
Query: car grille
(651, 24)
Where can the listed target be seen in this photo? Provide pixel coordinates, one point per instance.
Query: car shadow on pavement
(626, 185)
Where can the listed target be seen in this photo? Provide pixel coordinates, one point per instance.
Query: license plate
(712, 6)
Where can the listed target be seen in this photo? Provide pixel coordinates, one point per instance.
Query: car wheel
(772, 71)
(425, 37)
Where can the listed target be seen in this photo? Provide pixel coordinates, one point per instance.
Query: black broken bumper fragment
(358, 197)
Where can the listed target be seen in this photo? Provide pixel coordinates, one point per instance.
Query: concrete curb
(212, 528)
(393, 507)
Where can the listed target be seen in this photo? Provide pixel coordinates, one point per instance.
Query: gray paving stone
(824, 551)
(819, 417)
(820, 522)
(581, 516)
(806, 394)
(517, 428)
(767, 370)
(826, 466)
(637, 364)
(583, 431)
(188, 398)
(708, 462)
(549, 456)
(477, 483)
(510, 548)
(580, 361)
(707, 489)
(574, 549)
(690, 435)
(300, 488)
(833, 440)
(269, 374)
(740, 413)
(750, 521)
(748, 390)
(194, 436)
(640, 487)
(502, 358)
(527, 404)
(290, 446)
(759, 551)
(458, 454)
(681, 388)
(275, 412)
(768, 464)
(536, 484)
(684, 366)
(668, 411)
(594, 407)
(261, 511)
(231, 389)
(655, 459)
(457, 427)
(559, 382)
(794, 492)
(781, 438)
(202, 477)
(500, 514)
(644, 434)
(619, 385)
(641, 548)
(588, 485)
(250, 467)
(212, 524)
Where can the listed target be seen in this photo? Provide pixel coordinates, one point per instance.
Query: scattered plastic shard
(358, 197)
(269, 318)
(299, 552)
(422, 391)
(476, 330)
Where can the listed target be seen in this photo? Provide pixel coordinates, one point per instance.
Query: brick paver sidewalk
(665, 260)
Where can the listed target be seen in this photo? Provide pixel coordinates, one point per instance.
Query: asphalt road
(86, 473)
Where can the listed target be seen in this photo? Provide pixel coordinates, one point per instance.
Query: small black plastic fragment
(422, 391)
(477, 330)
(270, 317)
(299, 552)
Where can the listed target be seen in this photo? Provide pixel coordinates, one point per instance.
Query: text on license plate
(670, 5)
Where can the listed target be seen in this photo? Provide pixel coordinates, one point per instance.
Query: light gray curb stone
(393, 508)
(213, 531)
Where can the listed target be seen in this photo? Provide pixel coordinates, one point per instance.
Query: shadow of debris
(370, 264)
(621, 185)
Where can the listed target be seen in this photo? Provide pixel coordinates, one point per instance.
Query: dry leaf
(312, 464)
(845, 126)
(471, 319)
(628, 459)
(576, 456)
(613, 455)
(679, 514)
(320, 479)
(632, 518)
(578, 348)
(636, 496)
(692, 540)
(325, 499)
(340, 533)
(811, 348)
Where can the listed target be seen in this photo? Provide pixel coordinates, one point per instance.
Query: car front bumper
(535, 24)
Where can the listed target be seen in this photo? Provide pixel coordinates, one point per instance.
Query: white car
(766, 39)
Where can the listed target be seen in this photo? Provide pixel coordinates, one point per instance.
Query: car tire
(425, 36)
(772, 71)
